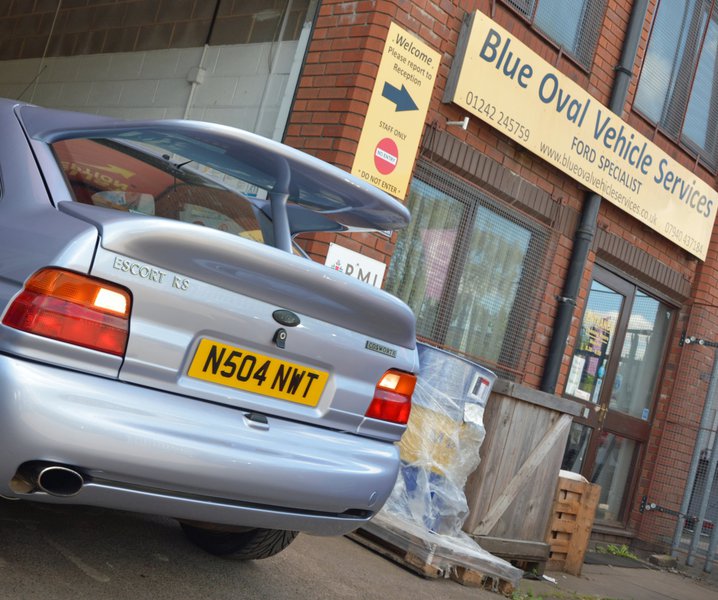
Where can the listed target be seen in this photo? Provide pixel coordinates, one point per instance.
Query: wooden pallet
(573, 515)
(397, 549)
(471, 578)
(420, 557)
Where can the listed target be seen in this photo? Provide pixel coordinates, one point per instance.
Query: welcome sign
(396, 113)
(501, 81)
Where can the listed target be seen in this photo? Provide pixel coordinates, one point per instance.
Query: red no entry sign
(386, 156)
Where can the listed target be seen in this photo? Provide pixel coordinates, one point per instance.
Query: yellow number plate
(245, 370)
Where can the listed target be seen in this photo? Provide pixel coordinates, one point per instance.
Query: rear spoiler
(291, 177)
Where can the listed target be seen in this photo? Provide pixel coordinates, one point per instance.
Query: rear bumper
(147, 451)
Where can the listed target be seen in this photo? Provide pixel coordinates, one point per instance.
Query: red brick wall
(327, 119)
(337, 82)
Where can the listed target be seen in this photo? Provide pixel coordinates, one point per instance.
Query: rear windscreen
(133, 179)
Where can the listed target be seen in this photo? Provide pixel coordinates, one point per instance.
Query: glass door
(614, 372)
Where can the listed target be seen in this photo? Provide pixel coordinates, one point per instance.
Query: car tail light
(73, 308)
(392, 397)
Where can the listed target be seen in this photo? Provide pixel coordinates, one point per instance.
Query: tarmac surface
(52, 552)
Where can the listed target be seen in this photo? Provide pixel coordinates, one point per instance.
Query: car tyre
(251, 544)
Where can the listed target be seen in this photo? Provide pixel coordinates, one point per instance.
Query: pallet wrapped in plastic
(439, 450)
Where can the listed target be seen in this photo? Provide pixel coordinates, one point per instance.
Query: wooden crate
(574, 510)
(510, 495)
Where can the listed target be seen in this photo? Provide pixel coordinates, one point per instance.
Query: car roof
(317, 186)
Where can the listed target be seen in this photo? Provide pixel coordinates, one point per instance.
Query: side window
(469, 270)
(677, 89)
(572, 24)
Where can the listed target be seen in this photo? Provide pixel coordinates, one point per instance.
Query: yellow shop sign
(500, 80)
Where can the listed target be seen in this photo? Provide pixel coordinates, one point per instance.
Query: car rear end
(154, 365)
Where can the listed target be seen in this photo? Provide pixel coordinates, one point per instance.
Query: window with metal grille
(678, 88)
(471, 271)
(573, 25)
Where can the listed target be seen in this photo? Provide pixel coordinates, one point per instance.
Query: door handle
(602, 412)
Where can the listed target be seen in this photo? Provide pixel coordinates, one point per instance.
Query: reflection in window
(614, 460)
(639, 353)
(572, 24)
(423, 253)
(468, 270)
(561, 19)
(487, 286)
(576, 446)
(636, 378)
(137, 179)
(598, 327)
(677, 89)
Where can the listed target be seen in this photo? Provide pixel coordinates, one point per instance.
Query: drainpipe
(586, 230)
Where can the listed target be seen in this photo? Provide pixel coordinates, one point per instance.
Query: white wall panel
(243, 86)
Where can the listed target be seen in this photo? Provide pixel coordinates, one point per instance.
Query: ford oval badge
(286, 318)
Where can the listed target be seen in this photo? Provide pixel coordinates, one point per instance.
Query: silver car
(166, 348)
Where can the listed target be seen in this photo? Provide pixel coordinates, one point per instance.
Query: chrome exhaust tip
(53, 479)
(59, 481)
